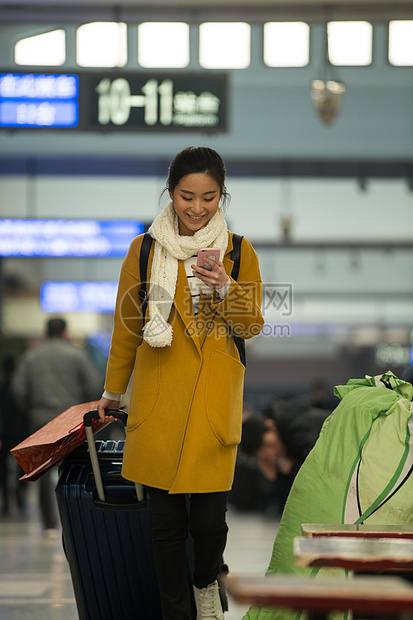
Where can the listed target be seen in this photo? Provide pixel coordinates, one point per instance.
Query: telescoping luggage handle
(87, 419)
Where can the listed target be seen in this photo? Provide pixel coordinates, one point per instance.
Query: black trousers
(47, 501)
(174, 515)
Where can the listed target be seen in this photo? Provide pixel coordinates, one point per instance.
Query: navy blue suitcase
(107, 539)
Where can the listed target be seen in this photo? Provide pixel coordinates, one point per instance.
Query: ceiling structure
(196, 4)
(12, 11)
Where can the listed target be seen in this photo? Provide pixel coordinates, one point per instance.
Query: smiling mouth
(194, 218)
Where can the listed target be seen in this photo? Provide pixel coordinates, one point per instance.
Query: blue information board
(78, 296)
(39, 100)
(21, 237)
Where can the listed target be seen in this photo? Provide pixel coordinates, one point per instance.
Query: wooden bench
(370, 595)
(362, 530)
(354, 553)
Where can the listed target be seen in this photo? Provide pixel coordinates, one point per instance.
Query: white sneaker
(208, 603)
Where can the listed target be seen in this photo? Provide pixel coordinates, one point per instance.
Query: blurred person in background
(13, 429)
(49, 379)
(273, 447)
(321, 396)
(407, 373)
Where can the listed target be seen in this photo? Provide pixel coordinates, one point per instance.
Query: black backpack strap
(236, 257)
(143, 269)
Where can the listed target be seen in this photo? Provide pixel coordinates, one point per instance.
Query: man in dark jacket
(49, 379)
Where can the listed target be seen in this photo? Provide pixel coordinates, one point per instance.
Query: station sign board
(114, 101)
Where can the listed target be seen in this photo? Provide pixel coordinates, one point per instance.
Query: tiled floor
(35, 581)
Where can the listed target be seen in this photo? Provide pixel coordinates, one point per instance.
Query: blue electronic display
(39, 100)
(78, 296)
(18, 113)
(53, 238)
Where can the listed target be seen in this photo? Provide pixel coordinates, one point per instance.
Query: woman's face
(272, 448)
(196, 200)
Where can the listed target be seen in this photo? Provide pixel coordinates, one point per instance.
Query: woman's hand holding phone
(210, 269)
(207, 253)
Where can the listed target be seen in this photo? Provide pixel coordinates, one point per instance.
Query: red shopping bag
(51, 443)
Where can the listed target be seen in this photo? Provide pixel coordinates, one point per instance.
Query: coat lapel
(206, 314)
(183, 305)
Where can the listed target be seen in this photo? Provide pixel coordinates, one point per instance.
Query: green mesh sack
(359, 471)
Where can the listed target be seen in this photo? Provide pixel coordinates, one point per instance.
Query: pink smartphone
(211, 253)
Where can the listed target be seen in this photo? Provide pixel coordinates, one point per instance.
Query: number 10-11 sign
(145, 101)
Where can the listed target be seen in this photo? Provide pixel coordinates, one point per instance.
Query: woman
(185, 411)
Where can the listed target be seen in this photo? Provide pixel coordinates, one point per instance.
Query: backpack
(143, 268)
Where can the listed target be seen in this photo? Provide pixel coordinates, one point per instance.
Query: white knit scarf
(170, 247)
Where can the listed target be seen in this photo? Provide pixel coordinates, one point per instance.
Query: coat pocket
(224, 389)
(145, 387)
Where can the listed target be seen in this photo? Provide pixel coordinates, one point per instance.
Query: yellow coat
(185, 413)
